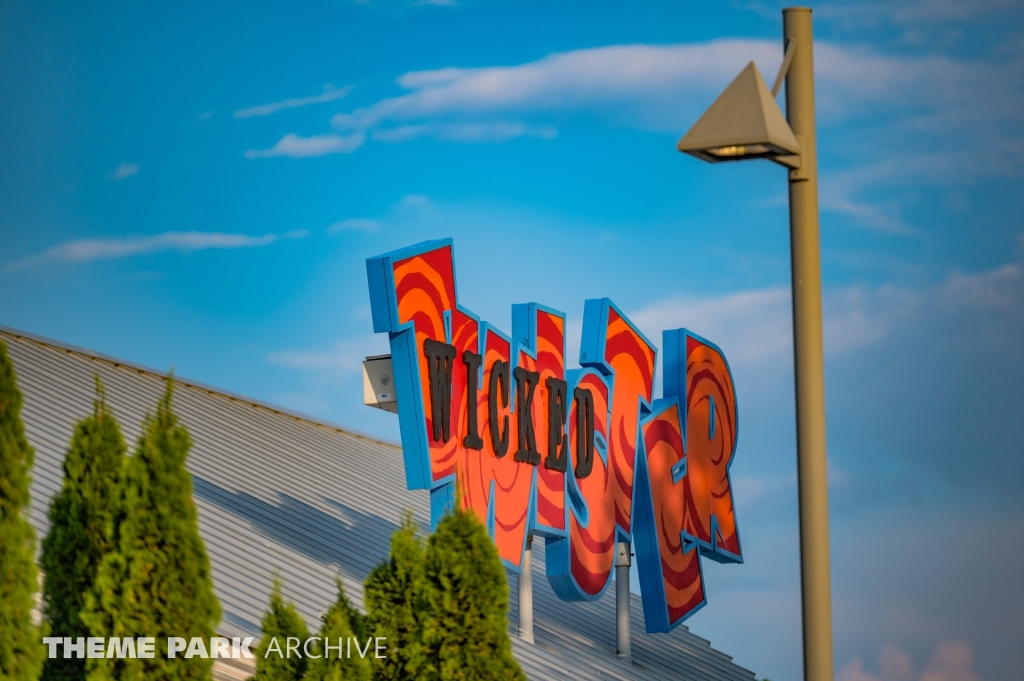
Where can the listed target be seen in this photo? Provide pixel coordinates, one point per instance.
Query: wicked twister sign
(584, 457)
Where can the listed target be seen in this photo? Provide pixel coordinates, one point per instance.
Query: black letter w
(440, 357)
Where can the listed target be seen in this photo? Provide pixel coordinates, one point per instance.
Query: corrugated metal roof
(279, 491)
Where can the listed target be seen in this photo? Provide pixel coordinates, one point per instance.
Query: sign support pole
(812, 466)
(623, 560)
(526, 594)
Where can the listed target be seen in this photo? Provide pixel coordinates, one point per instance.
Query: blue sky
(198, 187)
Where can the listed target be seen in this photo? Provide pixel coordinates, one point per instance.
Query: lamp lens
(740, 151)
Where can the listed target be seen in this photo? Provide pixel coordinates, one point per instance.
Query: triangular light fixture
(744, 122)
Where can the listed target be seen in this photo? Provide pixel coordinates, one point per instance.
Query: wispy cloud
(124, 171)
(86, 250)
(330, 94)
(654, 86)
(839, 193)
(639, 77)
(344, 357)
(413, 202)
(354, 225)
(293, 146)
(754, 327)
(914, 11)
(494, 131)
(750, 326)
(924, 119)
(951, 661)
(972, 157)
(637, 84)
(409, 206)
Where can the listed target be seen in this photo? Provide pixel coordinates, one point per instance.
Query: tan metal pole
(623, 559)
(812, 467)
(526, 594)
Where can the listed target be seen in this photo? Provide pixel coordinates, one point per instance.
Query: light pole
(741, 124)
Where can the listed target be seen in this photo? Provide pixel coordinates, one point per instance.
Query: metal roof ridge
(189, 383)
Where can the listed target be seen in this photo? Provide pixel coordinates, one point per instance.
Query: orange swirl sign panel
(585, 457)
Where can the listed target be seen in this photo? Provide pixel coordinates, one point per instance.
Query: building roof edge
(189, 383)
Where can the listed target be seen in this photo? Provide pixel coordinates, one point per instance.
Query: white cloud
(838, 192)
(951, 661)
(870, 215)
(755, 489)
(354, 225)
(341, 359)
(497, 131)
(293, 146)
(410, 206)
(86, 250)
(754, 327)
(750, 326)
(965, 155)
(124, 171)
(657, 86)
(857, 81)
(945, 120)
(913, 11)
(414, 202)
(647, 78)
(344, 357)
(997, 288)
(924, 119)
(853, 672)
(893, 662)
(329, 94)
(954, 120)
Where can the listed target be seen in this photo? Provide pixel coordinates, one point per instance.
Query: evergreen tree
(83, 516)
(21, 649)
(465, 625)
(157, 582)
(341, 623)
(281, 622)
(394, 598)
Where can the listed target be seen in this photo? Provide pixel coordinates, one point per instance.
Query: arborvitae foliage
(21, 649)
(465, 626)
(394, 597)
(281, 622)
(341, 623)
(83, 519)
(157, 582)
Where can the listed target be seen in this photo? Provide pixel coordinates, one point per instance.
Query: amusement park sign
(584, 457)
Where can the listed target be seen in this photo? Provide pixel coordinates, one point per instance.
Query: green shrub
(394, 598)
(83, 517)
(341, 623)
(21, 648)
(281, 622)
(465, 625)
(157, 582)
